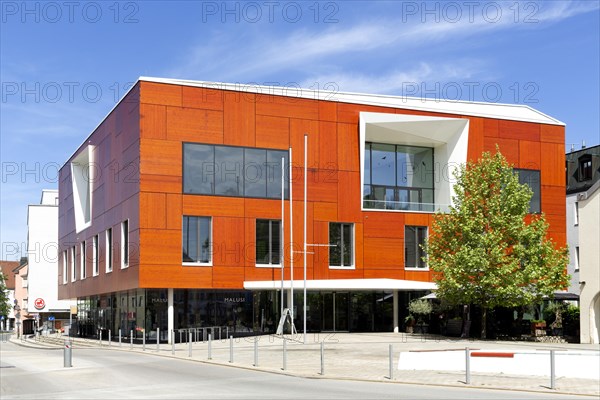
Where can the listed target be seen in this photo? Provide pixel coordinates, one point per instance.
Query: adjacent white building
(583, 233)
(589, 259)
(42, 251)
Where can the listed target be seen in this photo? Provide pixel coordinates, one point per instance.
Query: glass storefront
(241, 313)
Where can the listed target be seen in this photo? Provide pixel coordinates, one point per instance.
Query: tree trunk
(483, 322)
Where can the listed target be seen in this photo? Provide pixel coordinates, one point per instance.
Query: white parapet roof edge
(342, 284)
(515, 112)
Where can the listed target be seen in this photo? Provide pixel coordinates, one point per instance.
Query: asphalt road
(27, 373)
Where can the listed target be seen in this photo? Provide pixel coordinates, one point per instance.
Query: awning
(565, 296)
(342, 284)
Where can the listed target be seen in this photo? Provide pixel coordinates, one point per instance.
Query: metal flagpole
(305, 191)
(291, 242)
(282, 227)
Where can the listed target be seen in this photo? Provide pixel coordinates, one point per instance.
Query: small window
(268, 242)
(95, 256)
(414, 253)
(65, 267)
(83, 260)
(585, 168)
(109, 250)
(197, 242)
(577, 258)
(576, 212)
(125, 244)
(341, 245)
(73, 266)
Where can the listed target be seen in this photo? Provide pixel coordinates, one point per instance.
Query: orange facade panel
(508, 147)
(204, 98)
(272, 132)
(383, 253)
(529, 155)
(289, 107)
(160, 93)
(476, 138)
(519, 130)
(553, 162)
(153, 121)
(347, 147)
(239, 120)
(552, 134)
(154, 210)
(160, 157)
(213, 206)
(193, 125)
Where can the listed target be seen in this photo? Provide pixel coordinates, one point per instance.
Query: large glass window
(531, 178)
(229, 162)
(198, 169)
(398, 177)
(197, 242)
(341, 244)
(414, 252)
(268, 242)
(233, 171)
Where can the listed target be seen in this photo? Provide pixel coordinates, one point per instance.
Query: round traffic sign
(39, 303)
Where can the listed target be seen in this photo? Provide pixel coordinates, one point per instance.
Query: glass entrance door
(335, 312)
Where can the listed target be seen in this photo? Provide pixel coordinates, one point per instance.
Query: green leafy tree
(487, 251)
(4, 302)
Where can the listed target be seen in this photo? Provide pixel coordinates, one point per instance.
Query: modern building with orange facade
(170, 212)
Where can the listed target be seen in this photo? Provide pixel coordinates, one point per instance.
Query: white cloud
(268, 51)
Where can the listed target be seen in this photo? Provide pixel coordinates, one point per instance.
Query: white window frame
(95, 255)
(125, 245)
(576, 213)
(73, 265)
(108, 237)
(353, 241)
(83, 256)
(261, 265)
(210, 251)
(426, 267)
(65, 267)
(576, 256)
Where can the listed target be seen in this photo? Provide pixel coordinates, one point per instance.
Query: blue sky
(65, 64)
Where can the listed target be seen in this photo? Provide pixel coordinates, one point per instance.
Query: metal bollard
(230, 349)
(391, 361)
(172, 342)
(131, 340)
(109, 337)
(157, 339)
(552, 370)
(119, 337)
(284, 354)
(67, 354)
(255, 351)
(100, 337)
(144, 340)
(209, 346)
(467, 366)
(190, 344)
(322, 358)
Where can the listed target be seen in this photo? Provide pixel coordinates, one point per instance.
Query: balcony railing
(404, 206)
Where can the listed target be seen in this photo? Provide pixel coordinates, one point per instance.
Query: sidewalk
(356, 356)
